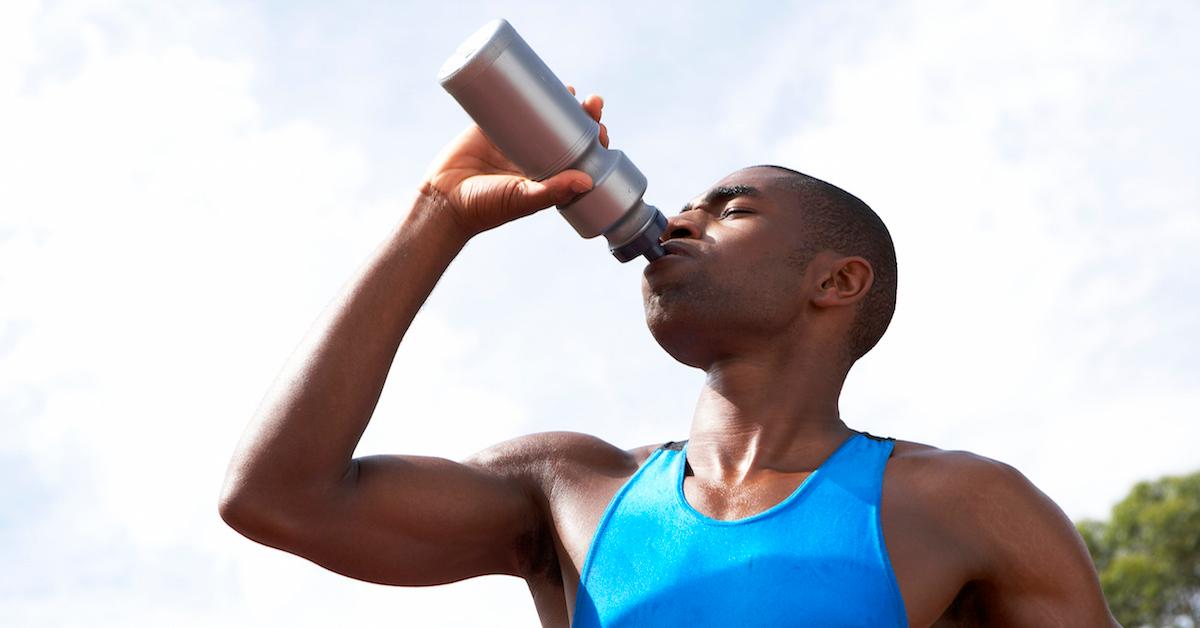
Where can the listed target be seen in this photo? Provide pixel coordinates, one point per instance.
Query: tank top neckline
(680, 464)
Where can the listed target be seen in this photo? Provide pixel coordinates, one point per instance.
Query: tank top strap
(859, 470)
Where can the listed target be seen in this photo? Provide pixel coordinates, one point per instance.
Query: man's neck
(765, 415)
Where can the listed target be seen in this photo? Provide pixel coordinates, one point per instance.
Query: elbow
(263, 519)
(245, 501)
(231, 508)
(237, 509)
(244, 509)
(236, 500)
(250, 519)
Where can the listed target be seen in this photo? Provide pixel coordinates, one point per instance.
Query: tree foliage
(1148, 553)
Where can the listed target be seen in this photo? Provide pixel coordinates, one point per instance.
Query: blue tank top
(815, 559)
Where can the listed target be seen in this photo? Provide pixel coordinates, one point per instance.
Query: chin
(677, 336)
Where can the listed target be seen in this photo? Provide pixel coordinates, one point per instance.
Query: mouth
(673, 247)
(674, 251)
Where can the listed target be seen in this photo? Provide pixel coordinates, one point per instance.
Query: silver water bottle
(532, 118)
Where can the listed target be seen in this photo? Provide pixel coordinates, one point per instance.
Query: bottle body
(531, 117)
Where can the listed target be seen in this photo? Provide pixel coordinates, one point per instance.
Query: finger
(604, 136)
(571, 88)
(594, 106)
(556, 190)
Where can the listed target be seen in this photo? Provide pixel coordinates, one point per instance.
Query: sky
(184, 187)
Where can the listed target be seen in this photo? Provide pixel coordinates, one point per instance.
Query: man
(773, 512)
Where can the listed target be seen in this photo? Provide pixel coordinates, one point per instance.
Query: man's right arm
(293, 482)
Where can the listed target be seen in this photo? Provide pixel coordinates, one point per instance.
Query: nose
(682, 226)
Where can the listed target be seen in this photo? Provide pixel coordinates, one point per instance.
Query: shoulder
(987, 508)
(939, 473)
(563, 475)
(943, 481)
(544, 456)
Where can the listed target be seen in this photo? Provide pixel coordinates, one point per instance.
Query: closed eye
(734, 210)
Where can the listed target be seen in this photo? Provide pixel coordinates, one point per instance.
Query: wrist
(432, 209)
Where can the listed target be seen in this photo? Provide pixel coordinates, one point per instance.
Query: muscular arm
(292, 483)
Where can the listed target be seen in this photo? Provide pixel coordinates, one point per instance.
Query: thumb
(558, 189)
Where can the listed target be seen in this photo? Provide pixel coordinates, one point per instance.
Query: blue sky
(183, 188)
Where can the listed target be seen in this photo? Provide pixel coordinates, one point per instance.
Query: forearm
(301, 441)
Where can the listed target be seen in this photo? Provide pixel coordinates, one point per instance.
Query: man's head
(772, 258)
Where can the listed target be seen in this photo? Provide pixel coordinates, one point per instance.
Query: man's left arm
(1036, 568)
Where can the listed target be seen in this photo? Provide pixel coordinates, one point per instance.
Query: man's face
(731, 284)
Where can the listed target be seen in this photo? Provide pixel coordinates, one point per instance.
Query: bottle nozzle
(654, 252)
(639, 232)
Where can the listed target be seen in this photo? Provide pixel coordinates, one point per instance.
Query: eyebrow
(723, 193)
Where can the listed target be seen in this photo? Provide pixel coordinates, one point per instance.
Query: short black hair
(834, 219)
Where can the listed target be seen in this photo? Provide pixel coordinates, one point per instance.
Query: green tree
(1148, 553)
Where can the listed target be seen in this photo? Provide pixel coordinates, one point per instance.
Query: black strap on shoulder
(873, 437)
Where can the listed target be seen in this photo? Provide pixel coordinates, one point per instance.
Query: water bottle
(531, 117)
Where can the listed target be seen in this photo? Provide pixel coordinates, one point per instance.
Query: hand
(482, 189)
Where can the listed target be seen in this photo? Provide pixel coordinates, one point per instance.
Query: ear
(845, 281)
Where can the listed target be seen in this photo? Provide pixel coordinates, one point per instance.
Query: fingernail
(578, 186)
